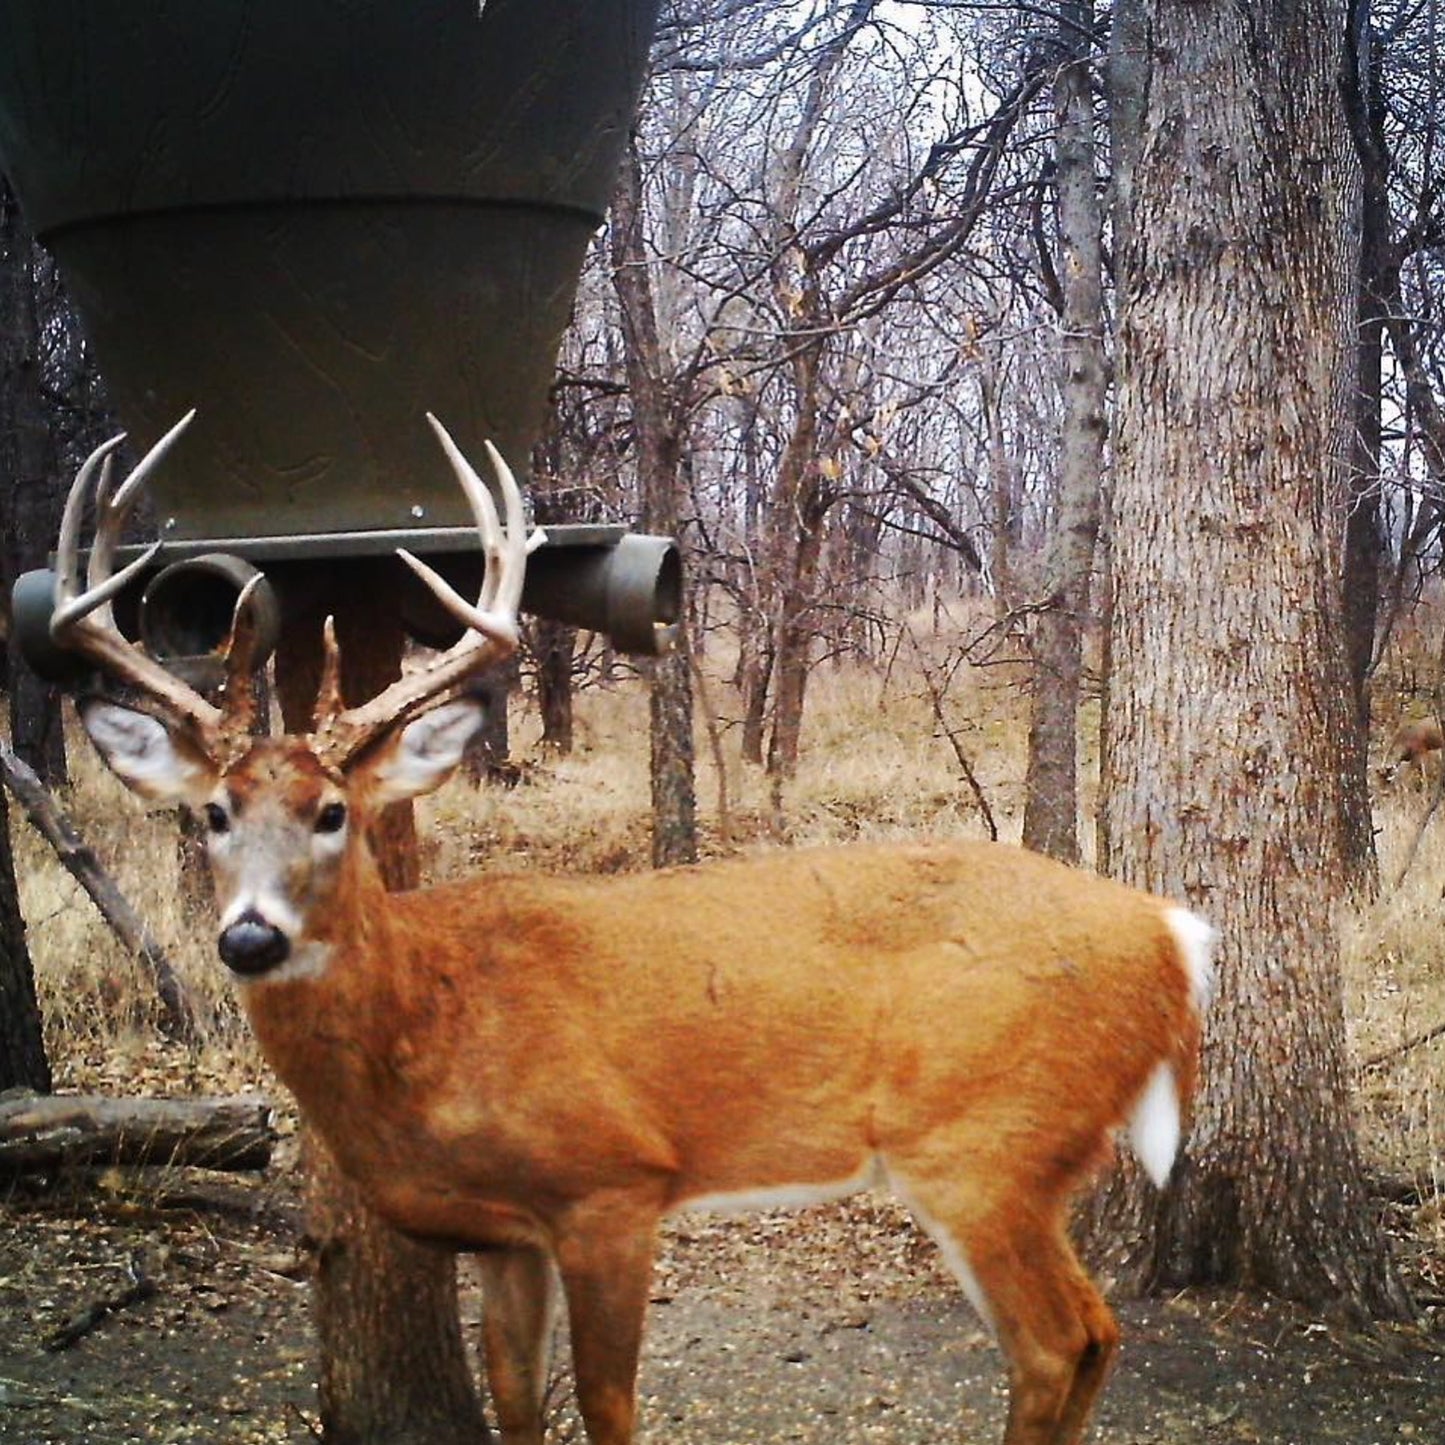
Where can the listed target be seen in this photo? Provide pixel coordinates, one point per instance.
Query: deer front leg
(519, 1301)
(605, 1259)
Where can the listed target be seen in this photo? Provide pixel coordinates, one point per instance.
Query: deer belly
(794, 1194)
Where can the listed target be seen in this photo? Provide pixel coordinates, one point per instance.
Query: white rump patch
(1154, 1125)
(1196, 940)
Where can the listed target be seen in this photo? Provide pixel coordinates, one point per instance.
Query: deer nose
(250, 945)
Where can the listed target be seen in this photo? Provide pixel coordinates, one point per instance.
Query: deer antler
(490, 622)
(83, 621)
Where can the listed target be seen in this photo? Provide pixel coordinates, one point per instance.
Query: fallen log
(48, 1131)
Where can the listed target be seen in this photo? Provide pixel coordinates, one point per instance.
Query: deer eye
(216, 818)
(331, 819)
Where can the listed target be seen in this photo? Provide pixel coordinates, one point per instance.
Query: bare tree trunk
(556, 646)
(23, 1063)
(1230, 704)
(659, 427)
(674, 795)
(393, 1367)
(30, 499)
(488, 752)
(1051, 783)
(1127, 83)
(757, 672)
(801, 502)
(755, 657)
(1366, 546)
(1003, 488)
(1364, 541)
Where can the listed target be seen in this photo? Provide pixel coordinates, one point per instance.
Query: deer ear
(423, 755)
(157, 762)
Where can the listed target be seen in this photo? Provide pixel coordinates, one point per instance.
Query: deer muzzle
(249, 945)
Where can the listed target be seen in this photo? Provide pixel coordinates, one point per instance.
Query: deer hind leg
(605, 1258)
(1019, 1272)
(519, 1299)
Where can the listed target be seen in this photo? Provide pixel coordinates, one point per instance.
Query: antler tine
(491, 621)
(100, 586)
(67, 545)
(111, 511)
(495, 611)
(82, 620)
(126, 494)
(329, 705)
(238, 691)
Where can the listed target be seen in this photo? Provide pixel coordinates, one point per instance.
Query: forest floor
(832, 1324)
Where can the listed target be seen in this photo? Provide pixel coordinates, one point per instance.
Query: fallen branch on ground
(141, 1287)
(46, 1131)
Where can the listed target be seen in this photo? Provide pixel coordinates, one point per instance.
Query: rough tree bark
(393, 1367)
(1231, 715)
(1051, 784)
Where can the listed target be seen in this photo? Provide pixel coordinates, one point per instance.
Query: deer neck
(317, 1016)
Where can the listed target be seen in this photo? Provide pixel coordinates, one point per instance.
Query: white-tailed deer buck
(1415, 744)
(540, 1069)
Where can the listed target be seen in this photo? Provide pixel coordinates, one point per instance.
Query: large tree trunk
(1231, 717)
(1051, 783)
(393, 1367)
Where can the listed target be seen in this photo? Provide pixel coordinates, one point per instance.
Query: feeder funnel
(315, 222)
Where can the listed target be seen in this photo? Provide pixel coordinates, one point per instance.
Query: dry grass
(876, 765)
(97, 1002)
(1394, 978)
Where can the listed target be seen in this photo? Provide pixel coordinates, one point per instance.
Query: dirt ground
(836, 1324)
